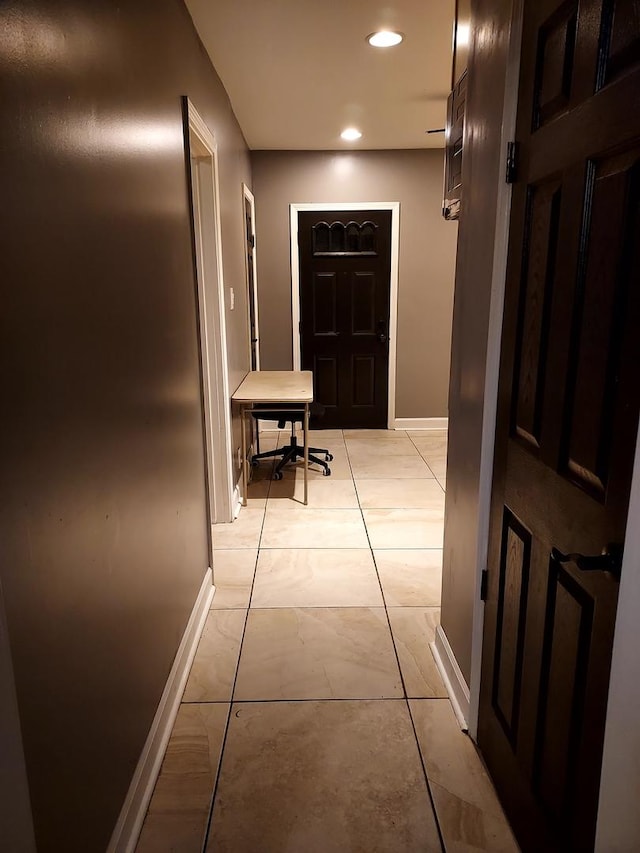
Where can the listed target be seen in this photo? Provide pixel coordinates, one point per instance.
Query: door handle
(381, 333)
(609, 561)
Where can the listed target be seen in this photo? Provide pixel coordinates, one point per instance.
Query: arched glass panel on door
(320, 235)
(368, 237)
(336, 238)
(336, 243)
(353, 237)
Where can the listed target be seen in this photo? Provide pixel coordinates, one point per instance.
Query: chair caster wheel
(278, 475)
(329, 457)
(326, 472)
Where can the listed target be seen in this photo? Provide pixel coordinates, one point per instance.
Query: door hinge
(512, 162)
(484, 584)
(252, 241)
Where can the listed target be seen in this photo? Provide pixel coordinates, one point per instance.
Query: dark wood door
(345, 274)
(567, 417)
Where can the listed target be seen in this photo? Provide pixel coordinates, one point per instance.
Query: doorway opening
(251, 273)
(205, 201)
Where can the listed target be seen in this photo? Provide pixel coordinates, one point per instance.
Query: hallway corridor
(314, 718)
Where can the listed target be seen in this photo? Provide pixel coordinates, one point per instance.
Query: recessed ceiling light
(351, 134)
(385, 38)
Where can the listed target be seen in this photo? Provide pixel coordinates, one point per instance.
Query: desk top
(275, 386)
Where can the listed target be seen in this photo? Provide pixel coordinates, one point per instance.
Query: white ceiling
(299, 71)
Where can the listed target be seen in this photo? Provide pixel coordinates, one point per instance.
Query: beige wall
(481, 169)
(427, 256)
(104, 516)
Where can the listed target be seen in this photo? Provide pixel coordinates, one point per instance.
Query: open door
(249, 209)
(567, 418)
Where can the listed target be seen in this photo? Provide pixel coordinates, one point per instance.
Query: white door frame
(394, 207)
(212, 317)
(492, 368)
(253, 296)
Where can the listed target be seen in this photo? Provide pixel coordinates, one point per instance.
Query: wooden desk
(282, 388)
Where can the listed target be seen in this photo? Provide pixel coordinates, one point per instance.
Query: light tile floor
(314, 717)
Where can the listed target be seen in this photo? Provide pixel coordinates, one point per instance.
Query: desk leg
(306, 452)
(245, 472)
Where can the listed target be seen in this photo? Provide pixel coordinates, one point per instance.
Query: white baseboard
(420, 423)
(236, 502)
(453, 678)
(396, 423)
(127, 829)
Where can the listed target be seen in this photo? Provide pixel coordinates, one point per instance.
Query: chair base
(292, 452)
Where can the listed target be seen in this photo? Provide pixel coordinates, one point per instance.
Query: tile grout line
(322, 699)
(235, 679)
(426, 775)
(334, 606)
(276, 701)
(408, 706)
(404, 687)
(413, 725)
(426, 462)
(214, 792)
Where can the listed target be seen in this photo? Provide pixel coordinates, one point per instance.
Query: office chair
(290, 452)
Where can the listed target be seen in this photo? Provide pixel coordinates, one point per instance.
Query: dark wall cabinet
(453, 150)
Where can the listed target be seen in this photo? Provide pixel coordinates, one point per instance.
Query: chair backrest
(262, 412)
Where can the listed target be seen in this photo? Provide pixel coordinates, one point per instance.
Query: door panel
(364, 387)
(567, 636)
(325, 379)
(345, 272)
(511, 624)
(554, 67)
(599, 320)
(363, 303)
(623, 25)
(540, 239)
(567, 418)
(325, 297)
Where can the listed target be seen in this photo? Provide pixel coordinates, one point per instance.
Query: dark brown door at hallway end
(567, 418)
(345, 274)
